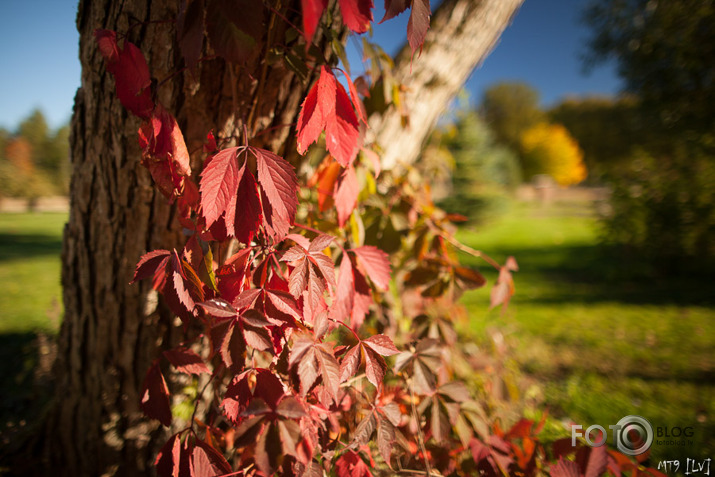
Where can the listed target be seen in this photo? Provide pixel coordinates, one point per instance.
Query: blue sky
(40, 68)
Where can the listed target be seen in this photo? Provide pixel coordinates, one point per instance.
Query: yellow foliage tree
(550, 149)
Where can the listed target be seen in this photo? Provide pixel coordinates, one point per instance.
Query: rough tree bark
(112, 331)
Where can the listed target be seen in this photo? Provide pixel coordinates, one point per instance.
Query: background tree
(605, 128)
(482, 172)
(550, 149)
(509, 109)
(665, 53)
(111, 331)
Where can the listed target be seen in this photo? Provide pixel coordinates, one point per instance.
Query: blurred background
(584, 146)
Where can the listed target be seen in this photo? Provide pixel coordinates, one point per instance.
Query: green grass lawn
(30, 291)
(30, 304)
(602, 346)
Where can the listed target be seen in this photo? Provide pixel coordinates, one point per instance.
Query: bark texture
(112, 331)
(461, 35)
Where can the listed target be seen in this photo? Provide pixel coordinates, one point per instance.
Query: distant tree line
(34, 159)
(653, 146)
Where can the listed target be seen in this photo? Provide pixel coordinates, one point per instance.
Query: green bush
(662, 212)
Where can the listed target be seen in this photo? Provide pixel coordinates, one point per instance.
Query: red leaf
(168, 460)
(190, 31)
(351, 465)
(357, 14)
(311, 120)
(381, 344)
(186, 361)
(564, 468)
(155, 396)
(245, 214)
(312, 11)
(320, 243)
(216, 460)
(350, 363)
(394, 8)
(219, 183)
(150, 263)
(376, 264)
(385, 438)
(345, 292)
(324, 182)
(342, 137)
(107, 44)
(355, 98)
(503, 289)
(290, 408)
(280, 186)
(346, 195)
(419, 24)
(130, 71)
(329, 370)
(327, 107)
(218, 308)
(375, 367)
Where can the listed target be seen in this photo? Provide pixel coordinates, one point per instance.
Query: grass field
(603, 347)
(30, 304)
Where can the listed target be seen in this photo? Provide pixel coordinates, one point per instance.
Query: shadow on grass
(589, 274)
(19, 246)
(25, 364)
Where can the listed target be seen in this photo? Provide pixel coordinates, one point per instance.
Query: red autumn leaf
(155, 396)
(207, 461)
(351, 465)
(130, 71)
(329, 370)
(355, 98)
(350, 363)
(394, 8)
(230, 190)
(376, 264)
(327, 108)
(151, 263)
(280, 185)
(385, 438)
(381, 344)
(312, 275)
(564, 468)
(186, 361)
(324, 182)
(419, 24)
(248, 215)
(346, 194)
(219, 184)
(190, 31)
(503, 289)
(375, 367)
(345, 292)
(164, 151)
(357, 14)
(168, 461)
(312, 11)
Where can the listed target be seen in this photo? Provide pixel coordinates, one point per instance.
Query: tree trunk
(462, 34)
(112, 331)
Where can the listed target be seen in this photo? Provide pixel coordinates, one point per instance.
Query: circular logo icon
(634, 435)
